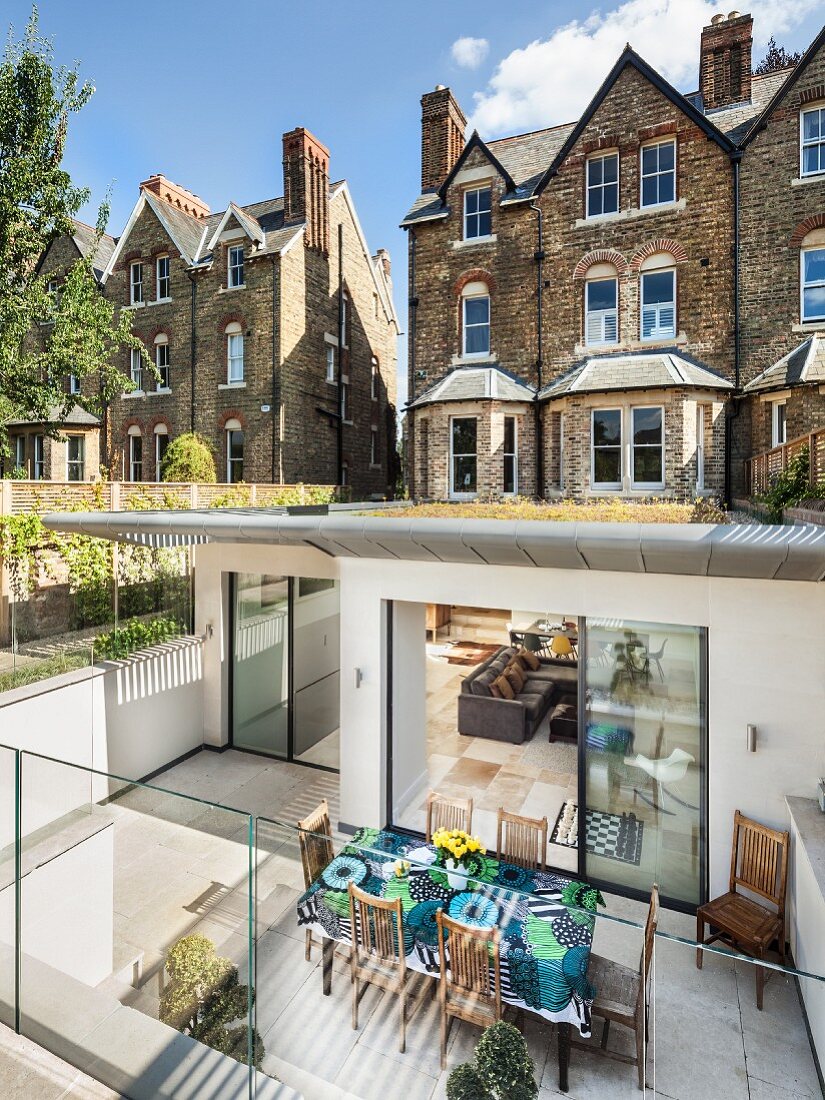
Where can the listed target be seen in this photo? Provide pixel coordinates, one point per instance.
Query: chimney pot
(733, 15)
(717, 19)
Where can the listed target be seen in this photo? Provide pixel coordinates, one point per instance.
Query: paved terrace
(180, 867)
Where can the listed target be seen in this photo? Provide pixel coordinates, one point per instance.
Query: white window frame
(136, 370)
(233, 267)
(160, 434)
(505, 454)
(20, 453)
(646, 486)
(330, 361)
(820, 108)
(601, 486)
(160, 279)
(234, 375)
(78, 462)
(485, 354)
(74, 384)
(162, 343)
(472, 220)
(231, 462)
(658, 173)
(453, 493)
(374, 446)
(135, 462)
(39, 463)
(136, 295)
(779, 423)
(561, 451)
(657, 333)
(803, 286)
(346, 410)
(53, 288)
(591, 188)
(374, 375)
(700, 448)
(603, 315)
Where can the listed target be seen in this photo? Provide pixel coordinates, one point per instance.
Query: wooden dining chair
(522, 840)
(622, 994)
(377, 956)
(448, 813)
(758, 865)
(317, 852)
(470, 975)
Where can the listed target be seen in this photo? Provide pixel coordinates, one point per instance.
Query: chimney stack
(306, 186)
(383, 257)
(177, 196)
(442, 136)
(725, 60)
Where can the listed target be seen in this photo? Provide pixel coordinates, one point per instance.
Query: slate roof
(76, 417)
(85, 237)
(736, 120)
(476, 384)
(655, 369)
(805, 364)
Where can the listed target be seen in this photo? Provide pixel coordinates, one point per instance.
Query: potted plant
(453, 847)
(502, 1070)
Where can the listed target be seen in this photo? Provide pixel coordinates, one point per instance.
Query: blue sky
(202, 91)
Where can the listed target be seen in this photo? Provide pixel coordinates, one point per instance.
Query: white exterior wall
(766, 664)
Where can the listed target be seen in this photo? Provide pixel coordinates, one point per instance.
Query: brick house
(67, 448)
(573, 290)
(243, 312)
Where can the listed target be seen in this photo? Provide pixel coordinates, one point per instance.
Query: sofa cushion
(543, 672)
(505, 687)
(480, 684)
(545, 688)
(528, 659)
(533, 704)
(494, 691)
(515, 675)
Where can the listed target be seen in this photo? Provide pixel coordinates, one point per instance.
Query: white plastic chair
(665, 770)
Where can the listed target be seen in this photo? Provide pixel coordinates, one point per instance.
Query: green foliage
(88, 563)
(188, 458)
(33, 671)
(204, 997)
(21, 538)
(597, 511)
(503, 1068)
(133, 635)
(790, 486)
(708, 510)
(77, 330)
(777, 57)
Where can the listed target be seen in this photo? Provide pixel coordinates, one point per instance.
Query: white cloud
(469, 52)
(552, 80)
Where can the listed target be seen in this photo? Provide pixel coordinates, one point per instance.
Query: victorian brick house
(272, 330)
(573, 306)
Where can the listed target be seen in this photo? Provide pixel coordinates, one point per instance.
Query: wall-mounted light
(210, 629)
(751, 738)
(358, 677)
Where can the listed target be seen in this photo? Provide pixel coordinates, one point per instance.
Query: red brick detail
(604, 141)
(165, 250)
(661, 244)
(231, 414)
(129, 257)
(150, 338)
(663, 129)
(475, 275)
(229, 319)
(132, 422)
(600, 256)
(815, 221)
(808, 95)
(154, 422)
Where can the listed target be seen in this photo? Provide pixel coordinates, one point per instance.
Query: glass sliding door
(316, 675)
(643, 757)
(260, 668)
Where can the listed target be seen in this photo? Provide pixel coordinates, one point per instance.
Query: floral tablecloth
(546, 920)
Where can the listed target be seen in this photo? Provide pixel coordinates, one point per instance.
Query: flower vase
(456, 875)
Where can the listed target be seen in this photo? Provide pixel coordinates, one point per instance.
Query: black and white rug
(614, 836)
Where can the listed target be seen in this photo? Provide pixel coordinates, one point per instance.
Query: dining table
(546, 920)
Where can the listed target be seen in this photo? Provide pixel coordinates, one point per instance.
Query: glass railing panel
(8, 799)
(547, 927)
(136, 944)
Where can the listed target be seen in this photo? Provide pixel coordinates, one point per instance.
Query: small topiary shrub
(708, 510)
(503, 1068)
(204, 998)
(188, 458)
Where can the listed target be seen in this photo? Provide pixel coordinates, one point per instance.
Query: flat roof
(736, 550)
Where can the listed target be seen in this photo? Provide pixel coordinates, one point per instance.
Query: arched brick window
(475, 320)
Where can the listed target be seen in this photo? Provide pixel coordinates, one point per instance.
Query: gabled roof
(783, 89)
(86, 239)
(736, 119)
(248, 223)
(656, 369)
(488, 383)
(629, 57)
(475, 142)
(804, 365)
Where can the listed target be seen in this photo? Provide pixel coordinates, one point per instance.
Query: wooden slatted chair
(470, 975)
(622, 994)
(448, 813)
(377, 956)
(522, 840)
(317, 852)
(759, 865)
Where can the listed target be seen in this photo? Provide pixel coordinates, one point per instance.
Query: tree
(45, 337)
(777, 57)
(188, 458)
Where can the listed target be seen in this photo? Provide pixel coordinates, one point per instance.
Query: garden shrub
(708, 510)
(789, 487)
(204, 998)
(133, 635)
(464, 1083)
(503, 1068)
(188, 458)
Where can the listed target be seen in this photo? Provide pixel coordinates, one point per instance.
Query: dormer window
(235, 265)
(477, 212)
(602, 184)
(813, 141)
(162, 281)
(136, 283)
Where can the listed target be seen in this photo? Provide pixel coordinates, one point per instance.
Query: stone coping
(809, 824)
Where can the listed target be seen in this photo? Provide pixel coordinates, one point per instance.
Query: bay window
(463, 456)
(606, 449)
(75, 458)
(510, 456)
(647, 450)
(39, 466)
(658, 304)
(602, 184)
(601, 315)
(779, 423)
(813, 284)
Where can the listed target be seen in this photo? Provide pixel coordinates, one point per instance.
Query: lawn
(596, 511)
(33, 671)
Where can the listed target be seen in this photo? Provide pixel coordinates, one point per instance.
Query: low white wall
(806, 921)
